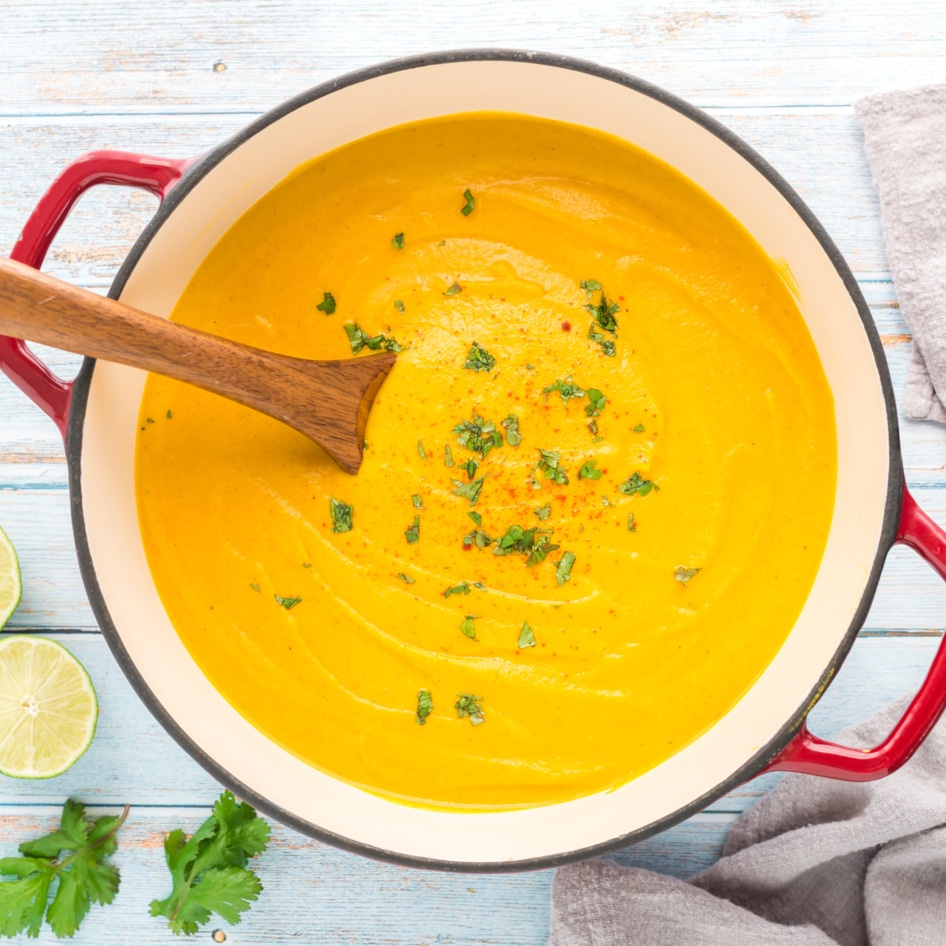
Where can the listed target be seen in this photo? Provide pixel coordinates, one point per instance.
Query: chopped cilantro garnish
(476, 517)
(631, 524)
(589, 471)
(478, 435)
(447, 456)
(511, 424)
(549, 465)
(605, 501)
(150, 420)
(543, 512)
(535, 543)
(417, 501)
(467, 208)
(421, 452)
(358, 338)
(254, 586)
(526, 636)
(466, 625)
(683, 575)
(593, 427)
(478, 538)
(287, 603)
(479, 359)
(425, 704)
(412, 533)
(327, 305)
(470, 466)
(567, 389)
(462, 589)
(405, 578)
(637, 484)
(398, 305)
(590, 286)
(341, 515)
(398, 241)
(469, 705)
(564, 570)
(638, 428)
(604, 313)
(470, 491)
(596, 402)
(607, 345)
(453, 290)
(306, 564)
(479, 585)
(168, 415)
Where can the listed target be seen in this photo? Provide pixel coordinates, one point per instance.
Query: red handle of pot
(813, 756)
(157, 175)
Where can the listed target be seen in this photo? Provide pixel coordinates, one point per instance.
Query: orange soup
(597, 484)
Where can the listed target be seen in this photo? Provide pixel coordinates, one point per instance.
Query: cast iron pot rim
(212, 158)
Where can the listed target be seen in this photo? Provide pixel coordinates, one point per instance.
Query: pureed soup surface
(597, 484)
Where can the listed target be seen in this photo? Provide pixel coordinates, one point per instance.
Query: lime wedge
(10, 587)
(48, 708)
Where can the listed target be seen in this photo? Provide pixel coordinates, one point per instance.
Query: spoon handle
(328, 401)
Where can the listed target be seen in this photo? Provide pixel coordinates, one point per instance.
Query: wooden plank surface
(177, 78)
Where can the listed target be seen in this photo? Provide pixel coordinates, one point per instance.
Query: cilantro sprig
(74, 858)
(209, 870)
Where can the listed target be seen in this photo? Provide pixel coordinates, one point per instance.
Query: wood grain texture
(177, 78)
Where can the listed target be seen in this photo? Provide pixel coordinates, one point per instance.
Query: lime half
(10, 587)
(48, 708)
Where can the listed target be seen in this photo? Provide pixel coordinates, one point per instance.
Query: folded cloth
(814, 863)
(905, 139)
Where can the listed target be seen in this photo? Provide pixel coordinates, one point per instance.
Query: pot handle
(813, 756)
(157, 175)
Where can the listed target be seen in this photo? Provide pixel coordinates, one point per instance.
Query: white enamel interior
(168, 263)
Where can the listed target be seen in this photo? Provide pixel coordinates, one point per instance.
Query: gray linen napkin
(814, 863)
(905, 139)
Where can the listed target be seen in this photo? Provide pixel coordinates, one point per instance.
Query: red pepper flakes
(566, 326)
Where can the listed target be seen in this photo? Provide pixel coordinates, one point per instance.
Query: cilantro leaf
(590, 286)
(567, 389)
(564, 570)
(471, 467)
(467, 208)
(589, 471)
(631, 524)
(604, 313)
(683, 575)
(479, 359)
(421, 452)
(469, 705)
(466, 626)
(596, 402)
(398, 305)
(342, 515)
(417, 501)
(526, 636)
(638, 428)
(208, 870)
(327, 305)
(398, 241)
(287, 603)
(447, 456)
(637, 484)
(470, 491)
(511, 424)
(405, 578)
(425, 705)
(478, 538)
(549, 465)
(358, 338)
(607, 345)
(543, 512)
(479, 435)
(73, 856)
(412, 533)
(476, 517)
(534, 543)
(462, 589)
(453, 289)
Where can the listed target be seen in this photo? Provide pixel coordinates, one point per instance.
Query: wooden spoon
(328, 401)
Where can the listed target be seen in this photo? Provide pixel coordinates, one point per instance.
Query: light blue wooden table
(174, 78)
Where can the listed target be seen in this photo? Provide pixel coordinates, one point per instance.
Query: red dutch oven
(201, 198)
